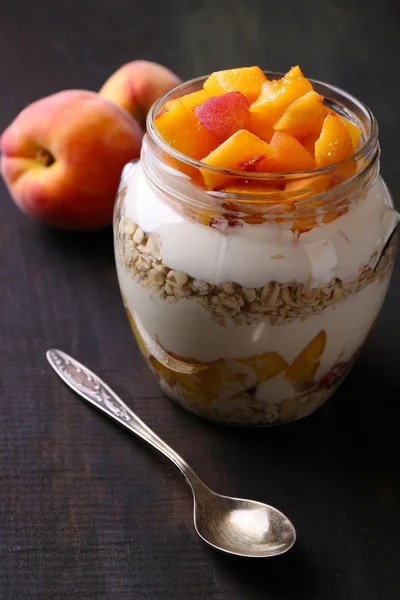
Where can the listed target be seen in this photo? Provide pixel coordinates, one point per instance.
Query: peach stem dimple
(45, 158)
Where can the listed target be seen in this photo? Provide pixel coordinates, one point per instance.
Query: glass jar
(251, 305)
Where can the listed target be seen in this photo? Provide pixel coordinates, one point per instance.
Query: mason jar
(251, 303)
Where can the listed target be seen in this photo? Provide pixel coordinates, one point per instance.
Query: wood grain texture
(86, 511)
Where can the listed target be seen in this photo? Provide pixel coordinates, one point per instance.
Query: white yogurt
(187, 329)
(254, 255)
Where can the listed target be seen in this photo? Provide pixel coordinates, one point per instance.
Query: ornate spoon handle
(90, 387)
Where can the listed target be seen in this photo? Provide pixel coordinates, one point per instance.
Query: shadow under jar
(251, 306)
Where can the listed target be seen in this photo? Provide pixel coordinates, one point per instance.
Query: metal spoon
(232, 525)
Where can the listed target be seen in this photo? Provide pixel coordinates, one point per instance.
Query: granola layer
(277, 302)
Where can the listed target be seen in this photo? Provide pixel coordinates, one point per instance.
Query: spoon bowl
(231, 525)
(242, 527)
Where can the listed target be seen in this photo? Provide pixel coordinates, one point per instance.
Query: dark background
(86, 511)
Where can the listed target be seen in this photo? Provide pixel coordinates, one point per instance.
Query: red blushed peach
(225, 114)
(62, 158)
(137, 85)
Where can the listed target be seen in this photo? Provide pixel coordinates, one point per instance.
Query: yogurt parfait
(254, 243)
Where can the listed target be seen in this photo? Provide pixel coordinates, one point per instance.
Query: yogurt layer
(186, 329)
(255, 255)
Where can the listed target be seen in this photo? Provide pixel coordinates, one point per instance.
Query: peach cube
(306, 364)
(343, 172)
(252, 189)
(182, 130)
(224, 114)
(260, 125)
(305, 115)
(241, 151)
(288, 155)
(190, 100)
(277, 95)
(354, 131)
(266, 365)
(309, 186)
(308, 141)
(306, 189)
(334, 143)
(294, 72)
(247, 80)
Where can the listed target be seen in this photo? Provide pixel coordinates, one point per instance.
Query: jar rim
(369, 123)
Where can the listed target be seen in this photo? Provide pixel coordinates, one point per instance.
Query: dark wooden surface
(86, 511)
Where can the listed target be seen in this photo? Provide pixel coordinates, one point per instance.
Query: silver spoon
(232, 525)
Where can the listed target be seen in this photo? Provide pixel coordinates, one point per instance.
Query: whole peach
(137, 84)
(62, 158)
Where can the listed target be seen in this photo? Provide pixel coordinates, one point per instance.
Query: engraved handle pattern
(85, 382)
(92, 388)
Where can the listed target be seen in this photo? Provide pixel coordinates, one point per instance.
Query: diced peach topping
(295, 72)
(224, 114)
(343, 172)
(247, 80)
(354, 131)
(304, 116)
(190, 100)
(308, 141)
(251, 188)
(241, 121)
(308, 189)
(309, 186)
(183, 131)
(242, 151)
(260, 125)
(334, 143)
(277, 95)
(287, 155)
